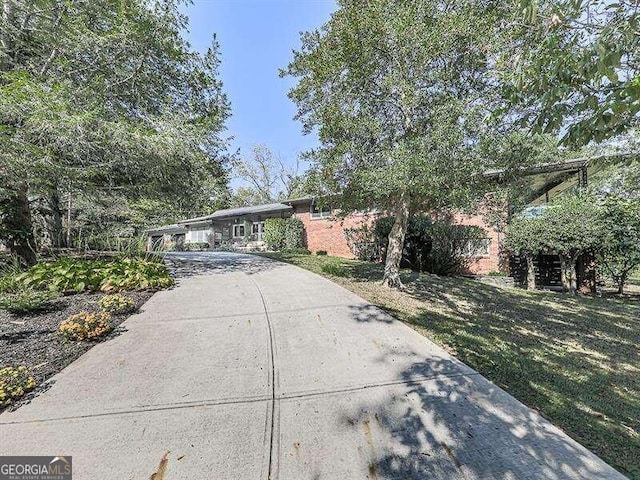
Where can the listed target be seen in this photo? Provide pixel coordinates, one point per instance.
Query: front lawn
(575, 359)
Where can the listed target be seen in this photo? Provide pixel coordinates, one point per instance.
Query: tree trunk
(531, 273)
(568, 272)
(53, 219)
(396, 244)
(16, 227)
(622, 279)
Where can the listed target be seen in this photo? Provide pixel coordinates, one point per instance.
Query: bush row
(435, 246)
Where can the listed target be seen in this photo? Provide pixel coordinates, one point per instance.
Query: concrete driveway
(252, 369)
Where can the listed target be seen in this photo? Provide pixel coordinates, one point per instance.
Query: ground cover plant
(25, 301)
(573, 358)
(68, 275)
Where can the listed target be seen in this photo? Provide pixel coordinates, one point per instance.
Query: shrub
(297, 251)
(14, 383)
(495, 273)
(363, 243)
(85, 326)
(116, 303)
(73, 275)
(275, 233)
(196, 246)
(321, 253)
(334, 269)
(450, 247)
(293, 233)
(284, 233)
(439, 247)
(26, 301)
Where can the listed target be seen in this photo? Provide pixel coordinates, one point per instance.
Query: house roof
(173, 228)
(236, 212)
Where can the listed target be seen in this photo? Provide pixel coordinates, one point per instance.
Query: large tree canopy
(572, 67)
(393, 89)
(106, 96)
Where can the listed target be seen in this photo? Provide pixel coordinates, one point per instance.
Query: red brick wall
(490, 263)
(328, 234)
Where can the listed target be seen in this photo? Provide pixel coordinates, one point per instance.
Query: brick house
(242, 228)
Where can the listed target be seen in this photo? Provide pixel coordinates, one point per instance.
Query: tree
(573, 67)
(571, 227)
(620, 242)
(269, 179)
(103, 98)
(392, 88)
(525, 238)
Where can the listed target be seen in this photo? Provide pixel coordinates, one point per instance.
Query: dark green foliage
(284, 233)
(334, 269)
(26, 301)
(297, 251)
(293, 233)
(321, 252)
(361, 241)
(452, 246)
(69, 275)
(620, 247)
(275, 233)
(438, 247)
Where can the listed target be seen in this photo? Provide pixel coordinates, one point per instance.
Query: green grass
(575, 359)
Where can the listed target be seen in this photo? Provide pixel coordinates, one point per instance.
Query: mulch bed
(31, 340)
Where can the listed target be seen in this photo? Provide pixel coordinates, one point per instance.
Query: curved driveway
(252, 369)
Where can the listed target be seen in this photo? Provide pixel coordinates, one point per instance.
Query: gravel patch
(31, 340)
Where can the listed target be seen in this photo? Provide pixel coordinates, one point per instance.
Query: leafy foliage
(275, 233)
(569, 228)
(393, 90)
(26, 301)
(106, 101)
(573, 65)
(14, 383)
(321, 252)
(620, 240)
(293, 233)
(296, 251)
(71, 275)
(440, 247)
(196, 246)
(85, 326)
(116, 303)
(284, 233)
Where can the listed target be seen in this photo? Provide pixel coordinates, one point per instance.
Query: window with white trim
(199, 236)
(317, 211)
(238, 230)
(477, 248)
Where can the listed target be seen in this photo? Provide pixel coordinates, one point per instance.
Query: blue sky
(256, 39)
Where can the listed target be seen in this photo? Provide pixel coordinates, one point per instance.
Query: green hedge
(284, 233)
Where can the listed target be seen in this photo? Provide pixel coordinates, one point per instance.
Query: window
(238, 230)
(477, 248)
(199, 236)
(257, 229)
(323, 211)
